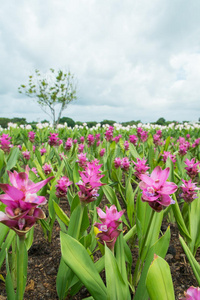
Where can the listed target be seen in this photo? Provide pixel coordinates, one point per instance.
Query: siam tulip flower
(81, 148)
(43, 151)
(20, 147)
(156, 190)
(182, 149)
(139, 131)
(82, 139)
(90, 139)
(144, 136)
(193, 293)
(90, 182)
(22, 203)
(159, 132)
(5, 142)
(125, 164)
(126, 145)
(188, 136)
(97, 136)
(54, 139)
(117, 138)
(140, 167)
(34, 170)
(117, 162)
(62, 186)
(26, 154)
(98, 143)
(156, 139)
(61, 155)
(109, 134)
(189, 190)
(31, 136)
(133, 139)
(47, 168)
(196, 143)
(75, 141)
(167, 154)
(108, 227)
(102, 152)
(192, 167)
(68, 144)
(82, 160)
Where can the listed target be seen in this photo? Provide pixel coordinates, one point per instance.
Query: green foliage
(69, 121)
(51, 89)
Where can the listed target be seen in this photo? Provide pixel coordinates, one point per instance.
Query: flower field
(109, 198)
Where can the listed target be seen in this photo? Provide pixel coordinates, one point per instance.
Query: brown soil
(44, 258)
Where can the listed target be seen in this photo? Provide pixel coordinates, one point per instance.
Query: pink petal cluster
(125, 164)
(82, 160)
(81, 148)
(126, 145)
(192, 167)
(140, 167)
(26, 154)
(167, 154)
(54, 139)
(117, 162)
(90, 139)
(109, 134)
(108, 227)
(62, 186)
(157, 139)
(43, 151)
(47, 168)
(133, 139)
(5, 142)
(90, 182)
(117, 138)
(31, 136)
(189, 190)
(193, 293)
(68, 144)
(156, 190)
(102, 152)
(142, 134)
(22, 203)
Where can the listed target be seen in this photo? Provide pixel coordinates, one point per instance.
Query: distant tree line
(71, 123)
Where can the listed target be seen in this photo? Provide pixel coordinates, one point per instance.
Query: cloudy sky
(133, 59)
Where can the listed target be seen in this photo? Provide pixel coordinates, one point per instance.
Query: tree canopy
(50, 90)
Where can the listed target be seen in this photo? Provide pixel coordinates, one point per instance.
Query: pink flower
(108, 227)
(34, 170)
(144, 136)
(140, 167)
(43, 151)
(90, 182)
(54, 139)
(47, 169)
(22, 202)
(97, 136)
(125, 164)
(5, 142)
(192, 167)
(155, 189)
(31, 136)
(126, 145)
(81, 148)
(82, 160)
(82, 139)
(62, 186)
(157, 140)
(117, 138)
(90, 139)
(193, 293)
(189, 190)
(26, 154)
(102, 152)
(133, 139)
(117, 162)
(68, 144)
(109, 133)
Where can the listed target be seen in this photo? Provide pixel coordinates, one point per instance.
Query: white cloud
(133, 59)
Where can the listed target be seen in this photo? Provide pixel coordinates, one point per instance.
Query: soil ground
(44, 258)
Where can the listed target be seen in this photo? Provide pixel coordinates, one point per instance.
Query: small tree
(51, 89)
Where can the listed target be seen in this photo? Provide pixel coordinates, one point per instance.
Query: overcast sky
(133, 59)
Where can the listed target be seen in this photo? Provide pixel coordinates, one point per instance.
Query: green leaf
(78, 259)
(160, 248)
(193, 262)
(159, 281)
(60, 213)
(12, 159)
(9, 283)
(116, 287)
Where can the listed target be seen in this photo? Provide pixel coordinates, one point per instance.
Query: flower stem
(20, 268)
